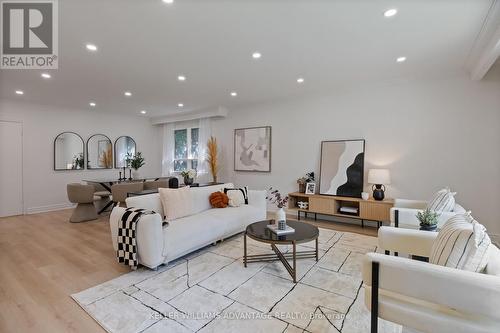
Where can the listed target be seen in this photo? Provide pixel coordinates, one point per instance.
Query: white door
(11, 168)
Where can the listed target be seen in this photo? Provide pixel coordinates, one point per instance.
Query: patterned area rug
(211, 291)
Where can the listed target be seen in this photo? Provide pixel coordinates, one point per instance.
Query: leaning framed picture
(310, 188)
(252, 149)
(342, 168)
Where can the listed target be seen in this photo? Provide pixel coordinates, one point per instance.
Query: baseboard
(49, 208)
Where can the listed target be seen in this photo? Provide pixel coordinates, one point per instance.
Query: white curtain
(167, 167)
(205, 131)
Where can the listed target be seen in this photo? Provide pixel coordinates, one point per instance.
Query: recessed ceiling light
(256, 55)
(143, 111)
(46, 75)
(92, 104)
(234, 93)
(181, 78)
(401, 59)
(300, 80)
(180, 105)
(168, 1)
(91, 47)
(390, 12)
(127, 93)
(19, 92)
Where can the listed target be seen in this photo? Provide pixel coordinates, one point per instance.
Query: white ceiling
(144, 44)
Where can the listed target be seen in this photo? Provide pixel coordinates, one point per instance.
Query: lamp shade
(379, 176)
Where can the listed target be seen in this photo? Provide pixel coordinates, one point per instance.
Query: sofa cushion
(176, 203)
(219, 199)
(462, 243)
(493, 267)
(442, 201)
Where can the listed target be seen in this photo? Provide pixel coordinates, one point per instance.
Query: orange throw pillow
(219, 200)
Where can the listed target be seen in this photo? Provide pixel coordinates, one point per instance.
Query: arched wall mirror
(68, 152)
(124, 146)
(99, 152)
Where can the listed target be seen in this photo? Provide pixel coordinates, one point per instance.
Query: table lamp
(379, 178)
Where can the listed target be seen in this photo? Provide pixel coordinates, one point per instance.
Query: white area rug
(211, 291)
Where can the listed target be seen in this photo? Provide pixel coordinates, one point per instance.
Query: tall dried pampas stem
(212, 160)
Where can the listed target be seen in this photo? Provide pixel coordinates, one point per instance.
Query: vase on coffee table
(281, 219)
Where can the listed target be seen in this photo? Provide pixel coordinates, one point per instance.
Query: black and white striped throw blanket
(127, 232)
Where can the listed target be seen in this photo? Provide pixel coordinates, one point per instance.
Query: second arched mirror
(99, 152)
(124, 146)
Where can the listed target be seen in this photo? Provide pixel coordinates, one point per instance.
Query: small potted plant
(280, 201)
(428, 220)
(302, 181)
(136, 162)
(188, 176)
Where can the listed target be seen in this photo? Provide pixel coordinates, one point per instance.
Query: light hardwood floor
(44, 259)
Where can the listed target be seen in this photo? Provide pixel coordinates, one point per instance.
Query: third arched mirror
(99, 152)
(124, 146)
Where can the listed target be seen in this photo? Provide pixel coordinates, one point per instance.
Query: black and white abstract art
(342, 166)
(252, 149)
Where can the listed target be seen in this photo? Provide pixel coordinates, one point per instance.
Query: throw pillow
(442, 201)
(237, 196)
(219, 200)
(176, 202)
(462, 243)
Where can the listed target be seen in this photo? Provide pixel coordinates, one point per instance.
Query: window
(186, 149)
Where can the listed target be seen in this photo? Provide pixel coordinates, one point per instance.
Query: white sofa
(158, 244)
(427, 297)
(404, 213)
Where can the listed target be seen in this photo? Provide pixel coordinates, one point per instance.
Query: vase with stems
(280, 201)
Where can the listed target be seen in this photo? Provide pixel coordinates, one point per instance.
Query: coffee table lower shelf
(283, 257)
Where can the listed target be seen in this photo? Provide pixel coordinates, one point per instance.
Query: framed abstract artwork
(252, 149)
(342, 168)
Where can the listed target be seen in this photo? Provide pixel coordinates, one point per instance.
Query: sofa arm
(257, 199)
(466, 292)
(149, 237)
(406, 217)
(409, 241)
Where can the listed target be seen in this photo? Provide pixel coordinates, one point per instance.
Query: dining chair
(83, 196)
(119, 191)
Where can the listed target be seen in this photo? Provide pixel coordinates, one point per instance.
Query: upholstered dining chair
(83, 196)
(119, 191)
(153, 185)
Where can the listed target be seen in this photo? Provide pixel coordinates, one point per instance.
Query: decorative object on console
(310, 188)
(379, 178)
(365, 195)
(135, 161)
(302, 181)
(252, 149)
(428, 220)
(188, 176)
(219, 199)
(280, 201)
(342, 168)
(237, 196)
(212, 154)
(303, 204)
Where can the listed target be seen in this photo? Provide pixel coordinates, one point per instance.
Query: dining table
(106, 183)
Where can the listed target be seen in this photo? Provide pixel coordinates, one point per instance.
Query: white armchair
(426, 297)
(404, 213)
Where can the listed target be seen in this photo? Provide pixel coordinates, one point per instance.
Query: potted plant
(280, 201)
(212, 160)
(428, 220)
(188, 176)
(136, 162)
(302, 181)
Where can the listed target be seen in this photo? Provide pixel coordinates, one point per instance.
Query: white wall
(44, 188)
(429, 134)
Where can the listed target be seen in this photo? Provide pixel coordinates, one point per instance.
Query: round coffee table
(303, 233)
